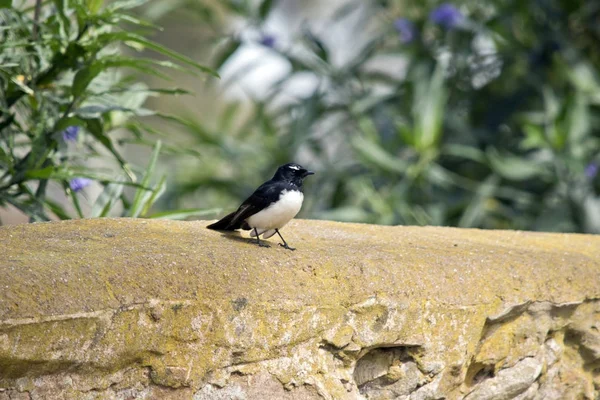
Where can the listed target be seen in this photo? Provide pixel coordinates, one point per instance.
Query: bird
(270, 207)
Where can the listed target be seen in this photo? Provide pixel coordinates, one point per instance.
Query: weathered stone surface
(128, 309)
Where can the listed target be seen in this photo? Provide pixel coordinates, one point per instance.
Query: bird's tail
(225, 224)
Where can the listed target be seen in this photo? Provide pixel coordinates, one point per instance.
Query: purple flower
(447, 15)
(406, 29)
(77, 184)
(267, 41)
(70, 134)
(591, 170)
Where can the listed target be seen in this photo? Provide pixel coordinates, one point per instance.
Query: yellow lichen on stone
(143, 309)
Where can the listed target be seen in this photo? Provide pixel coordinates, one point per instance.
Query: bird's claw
(285, 246)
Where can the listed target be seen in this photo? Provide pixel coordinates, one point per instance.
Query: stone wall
(138, 309)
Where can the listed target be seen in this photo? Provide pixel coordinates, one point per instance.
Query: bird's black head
(293, 173)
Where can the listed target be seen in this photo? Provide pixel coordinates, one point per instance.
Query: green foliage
(493, 123)
(67, 104)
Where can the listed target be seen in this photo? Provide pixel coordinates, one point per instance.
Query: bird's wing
(262, 197)
(268, 234)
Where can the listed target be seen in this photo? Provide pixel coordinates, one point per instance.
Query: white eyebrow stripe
(294, 167)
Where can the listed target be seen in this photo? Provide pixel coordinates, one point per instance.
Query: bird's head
(293, 173)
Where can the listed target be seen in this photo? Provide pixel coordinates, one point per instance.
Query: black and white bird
(270, 207)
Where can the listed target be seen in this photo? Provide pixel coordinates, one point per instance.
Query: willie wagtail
(270, 207)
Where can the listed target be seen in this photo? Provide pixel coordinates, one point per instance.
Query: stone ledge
(121, 308)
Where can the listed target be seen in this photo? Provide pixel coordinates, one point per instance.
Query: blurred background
(465, 113)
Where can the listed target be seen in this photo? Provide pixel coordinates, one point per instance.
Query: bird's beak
(307, 173)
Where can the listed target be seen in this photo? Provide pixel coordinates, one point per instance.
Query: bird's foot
(285, 246)
(261, 244)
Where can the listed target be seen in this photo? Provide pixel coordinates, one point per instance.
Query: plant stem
(36, 18)
(40, 195)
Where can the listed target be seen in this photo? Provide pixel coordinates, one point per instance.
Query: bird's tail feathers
(225, 224)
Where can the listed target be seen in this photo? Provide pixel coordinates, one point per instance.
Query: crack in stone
(404, 374)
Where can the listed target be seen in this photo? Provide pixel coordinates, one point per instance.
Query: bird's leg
(258, 240)
(284, 245)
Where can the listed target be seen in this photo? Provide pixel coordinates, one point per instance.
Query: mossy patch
(180, 306)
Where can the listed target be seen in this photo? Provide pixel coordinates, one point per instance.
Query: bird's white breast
(279, 213)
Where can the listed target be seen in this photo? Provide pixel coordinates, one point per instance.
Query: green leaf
(5, 3)
(126, 37)
(368, 128)
(158, 191)
(186, 213)
(149, 91)
(475, 212)
(265, 8)
(60, 7)
(43, 173)
(428, 111)
(27, 207)
(57, 209)
(316, 45)
(578, 120)
(584, 77)
(94, 6)
(107, 200)
(534, 137)
(5, 160)
(118, 17)
(225, 52)
(228, 117)
(407, 134)
(65, 174)
(168, 149)
(95, 127)
(65, 122)
(515, 168)
(157, 10)
(591, 210)
(141, 64)
(84, 77)
(466, 152)
(23, 86)
(125, 5)
(375, 155)
(96, 111)
(74, 199)
(142, 196)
